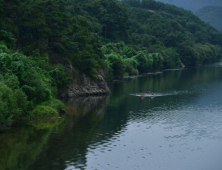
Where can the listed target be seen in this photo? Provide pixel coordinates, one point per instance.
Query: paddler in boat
(142, 94)
(152, 96)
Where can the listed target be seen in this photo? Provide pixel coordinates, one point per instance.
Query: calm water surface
(179, 129)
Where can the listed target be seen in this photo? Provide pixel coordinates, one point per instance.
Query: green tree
(112, 16)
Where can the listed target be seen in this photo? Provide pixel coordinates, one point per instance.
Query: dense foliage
(127, 37)
(145, 28)
(173, 34)
(47, 26)
(24, 86)
(73, 31)
(211, 15)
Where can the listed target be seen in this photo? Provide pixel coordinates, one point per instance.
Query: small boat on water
(143, 95)
(152, 95)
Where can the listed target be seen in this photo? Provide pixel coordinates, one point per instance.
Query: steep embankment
(211, 15)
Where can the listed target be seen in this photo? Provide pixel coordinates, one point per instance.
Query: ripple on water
(153, 138)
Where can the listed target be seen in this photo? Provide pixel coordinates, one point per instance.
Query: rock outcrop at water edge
(85, 86)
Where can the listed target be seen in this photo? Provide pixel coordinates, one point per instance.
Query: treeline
(148, 27)
(175, 35)
(73, 32)
(127, 37)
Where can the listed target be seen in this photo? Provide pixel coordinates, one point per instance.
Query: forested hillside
(211, 15)
(161, 36)
(38, 38)
(193, 4)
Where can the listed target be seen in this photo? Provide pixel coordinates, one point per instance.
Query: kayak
(152, 95)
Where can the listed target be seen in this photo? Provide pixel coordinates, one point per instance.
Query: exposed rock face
(85, 86)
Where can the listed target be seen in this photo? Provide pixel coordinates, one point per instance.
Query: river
(180, 128)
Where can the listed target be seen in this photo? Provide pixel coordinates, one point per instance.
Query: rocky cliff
(85, 86)
(89, 87)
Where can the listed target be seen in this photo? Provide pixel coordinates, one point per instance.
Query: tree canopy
(73, 32)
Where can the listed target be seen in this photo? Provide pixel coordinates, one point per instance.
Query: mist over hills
(211, 15)
(193, 5)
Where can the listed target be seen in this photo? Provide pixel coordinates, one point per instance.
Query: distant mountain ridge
(193, 5)
(211, 15)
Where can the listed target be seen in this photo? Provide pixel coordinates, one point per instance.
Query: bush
(61, 79)
(36, 86)
(13, 101)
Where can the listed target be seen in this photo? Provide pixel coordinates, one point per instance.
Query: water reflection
(86, 103)
(68, 146)
(19, 148)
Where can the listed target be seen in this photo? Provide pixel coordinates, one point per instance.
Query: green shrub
(13, 102)
(36, 86)
(61, 79)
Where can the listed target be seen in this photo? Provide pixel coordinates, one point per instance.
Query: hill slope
(136, 36)
(211, 15)
(193, 4)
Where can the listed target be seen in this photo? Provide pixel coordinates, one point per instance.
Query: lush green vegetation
(72, 32)
(39, 38)
(144, 35)
(211, 15)
(161, 36)
(26, 89)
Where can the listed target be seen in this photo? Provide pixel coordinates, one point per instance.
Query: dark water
(178, 129)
